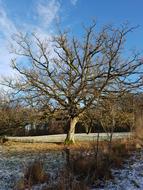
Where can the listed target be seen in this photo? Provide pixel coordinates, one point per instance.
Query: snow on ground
(12, 167)
(128, 178)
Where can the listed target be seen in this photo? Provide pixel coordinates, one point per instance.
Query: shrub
(35, 173)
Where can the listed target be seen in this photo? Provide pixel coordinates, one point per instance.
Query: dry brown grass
(79, 146)
(35, 174)
(19, 147)
(139, 128)
(91, 167)
(31, 147)
(83, 167)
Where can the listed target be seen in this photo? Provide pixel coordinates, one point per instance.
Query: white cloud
(6, 25)
(73, 2)
(7, 28)
(48, 11)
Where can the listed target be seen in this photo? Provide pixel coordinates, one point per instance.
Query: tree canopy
(71, 75)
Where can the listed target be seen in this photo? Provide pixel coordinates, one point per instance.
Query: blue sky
(41, 16)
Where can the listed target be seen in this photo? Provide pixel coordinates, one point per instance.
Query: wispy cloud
(7, 26)
(48, 11)
(74, 2)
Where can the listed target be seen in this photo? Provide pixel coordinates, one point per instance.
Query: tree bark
(70, 135)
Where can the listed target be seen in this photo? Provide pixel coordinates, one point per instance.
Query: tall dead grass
(84, 167)
(139, 128)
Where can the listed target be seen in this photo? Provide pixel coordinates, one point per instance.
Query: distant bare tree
(116, 111)
(69, 76)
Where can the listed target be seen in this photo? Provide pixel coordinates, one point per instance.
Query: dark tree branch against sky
(40, 16)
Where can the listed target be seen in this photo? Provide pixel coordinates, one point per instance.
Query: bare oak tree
(69, 75)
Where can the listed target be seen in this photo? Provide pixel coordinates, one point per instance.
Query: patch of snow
(128, 178)
(12, 167)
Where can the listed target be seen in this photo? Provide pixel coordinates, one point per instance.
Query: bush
(35, 173)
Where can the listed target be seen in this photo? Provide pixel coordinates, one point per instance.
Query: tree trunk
(70, 135)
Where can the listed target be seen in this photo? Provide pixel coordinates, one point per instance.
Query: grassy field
(11, 146)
